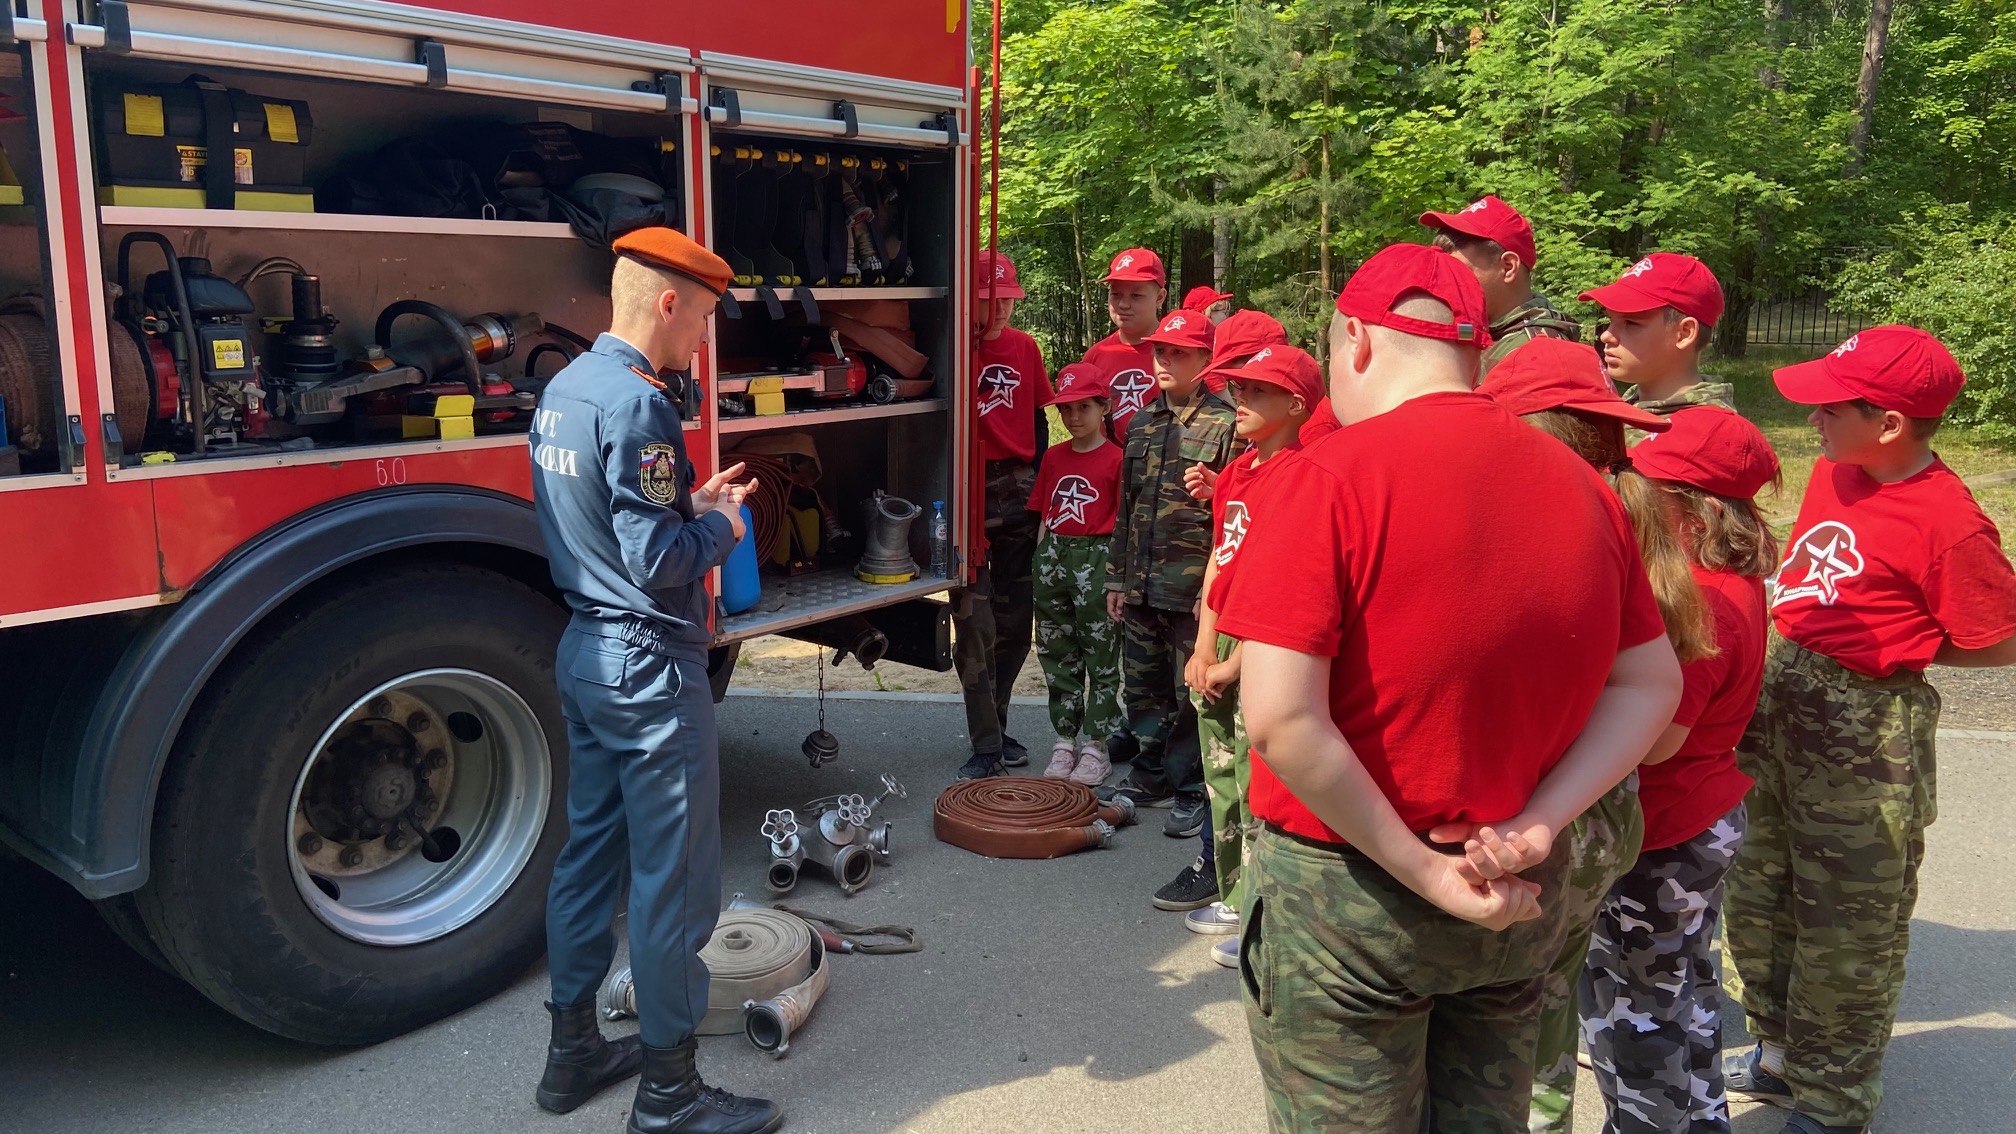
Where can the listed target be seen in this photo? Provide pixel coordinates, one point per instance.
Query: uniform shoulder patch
(658, 473)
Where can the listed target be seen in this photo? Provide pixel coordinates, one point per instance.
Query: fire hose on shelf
(1026, 817)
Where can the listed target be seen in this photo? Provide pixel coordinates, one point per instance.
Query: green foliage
(1955, 277)
(1302, 132)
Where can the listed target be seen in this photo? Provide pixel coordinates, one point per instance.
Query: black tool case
(161, 137)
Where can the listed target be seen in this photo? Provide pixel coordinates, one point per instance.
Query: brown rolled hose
(1026, 817)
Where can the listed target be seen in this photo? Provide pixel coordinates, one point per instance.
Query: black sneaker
(982, 765)
(1193, 889)
(1122, 747)
(1186, 817)
(1142, 797)
(1013, 755)
(1744, 1074)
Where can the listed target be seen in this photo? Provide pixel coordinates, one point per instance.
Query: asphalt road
(1051, 995)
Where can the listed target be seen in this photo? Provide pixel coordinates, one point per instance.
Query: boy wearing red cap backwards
(1136, 289)
(993, 616)
(1155, 575)
(1078, 495)
(1496, 242)
(1651, 995)
(1384, 697)
(1660, 312)
(1277, 390)
(1892, 567)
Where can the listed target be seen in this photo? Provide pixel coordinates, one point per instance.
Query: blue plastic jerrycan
(741, 586)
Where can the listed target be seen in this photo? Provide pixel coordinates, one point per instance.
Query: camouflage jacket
(1162, 536)
(1706, 392)
(1526, 322)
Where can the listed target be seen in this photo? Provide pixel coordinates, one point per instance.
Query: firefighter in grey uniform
(631, 538)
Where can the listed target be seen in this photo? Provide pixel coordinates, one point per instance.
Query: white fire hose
(768, 969)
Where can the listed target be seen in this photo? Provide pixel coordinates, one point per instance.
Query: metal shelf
(136, 217)
(827, 294)
(796, 418)
(801, 600)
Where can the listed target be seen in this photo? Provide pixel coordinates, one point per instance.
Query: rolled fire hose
(755, 955)
(1026, 817)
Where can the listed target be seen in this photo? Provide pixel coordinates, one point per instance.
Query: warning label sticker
(190, 161)
(227, 354)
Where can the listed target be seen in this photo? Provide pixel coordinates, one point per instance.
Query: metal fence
(1811, 319)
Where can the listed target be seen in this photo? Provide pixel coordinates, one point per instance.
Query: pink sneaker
(1063, 761)
(1093, 767)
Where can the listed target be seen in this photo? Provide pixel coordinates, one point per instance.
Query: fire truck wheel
(358, 822)
(121, 915)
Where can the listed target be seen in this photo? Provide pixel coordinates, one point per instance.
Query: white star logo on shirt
(998, 384)
(1130, 390)
(1233, 533)
(1819, 562)
(1070, 498)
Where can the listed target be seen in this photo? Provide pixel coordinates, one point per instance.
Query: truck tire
(121, 914)
(358, 822)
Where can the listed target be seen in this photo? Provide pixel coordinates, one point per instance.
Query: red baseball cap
(1290, 368)
(1244, 333)
(1892, 367)
(1398, 271)
(1548, 373)
(1077, 382)
(1491, 219)
(1184, 329)
(1000, 270)
(1713, 449)
(1136, 265)
(1202, 298)
(1663, 279)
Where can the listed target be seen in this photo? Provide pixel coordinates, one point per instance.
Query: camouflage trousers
(1221, 732)
(1820, 899)
(1652, 989)
(1154, 644)
(1372, 1011)
(1603, 842)
(1076, 643)
(991, 620)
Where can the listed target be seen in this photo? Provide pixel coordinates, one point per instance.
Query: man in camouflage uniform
(1496, 242)
(1155, 572)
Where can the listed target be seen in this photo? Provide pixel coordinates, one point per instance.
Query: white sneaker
(1063, 760)
(1093, 767)
(1215, 918)
(1226, 952)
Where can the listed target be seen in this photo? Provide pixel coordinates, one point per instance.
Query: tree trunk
(1777, 24)
(1084, 304)
(1323, 226)
(1221, 243)
(1873, 46)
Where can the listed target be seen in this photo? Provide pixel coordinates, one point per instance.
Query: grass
(1785, 424)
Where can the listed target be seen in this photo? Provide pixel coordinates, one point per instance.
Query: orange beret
(675, 252)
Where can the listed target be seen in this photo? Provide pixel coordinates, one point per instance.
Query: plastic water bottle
(941, 541)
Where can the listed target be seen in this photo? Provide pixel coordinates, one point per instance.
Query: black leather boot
(579, 1062)
(671, 1099)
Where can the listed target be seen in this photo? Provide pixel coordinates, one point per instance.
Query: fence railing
(1811, 319)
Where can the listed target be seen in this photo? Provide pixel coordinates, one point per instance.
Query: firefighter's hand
(1116, 605)
(1495, 850)
(709, 497)
(1200, 481)
(1496, 905)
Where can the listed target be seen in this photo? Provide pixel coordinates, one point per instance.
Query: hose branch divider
(1026, 817)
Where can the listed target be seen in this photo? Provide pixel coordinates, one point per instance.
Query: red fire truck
(275, 627)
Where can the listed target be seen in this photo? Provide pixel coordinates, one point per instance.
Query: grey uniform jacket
(614, 493)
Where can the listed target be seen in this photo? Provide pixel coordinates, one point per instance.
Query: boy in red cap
(1658, 316)
(1136, 289)
(1277, 390)
(1078, 496)
(993, 617)
(1892, 567)
(1155, 576)
(1651, 995)
(1210, 302)
(1414, 655)
(1496, 242)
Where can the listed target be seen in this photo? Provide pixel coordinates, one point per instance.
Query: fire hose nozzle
(878, 838)
(1105, 830)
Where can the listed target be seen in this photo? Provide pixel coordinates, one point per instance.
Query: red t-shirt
(1014, 388)
(1237, 485)
(1426, 551)
(1078, 493)
(1699, 783)
(1131, 371)
(1879, 576)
